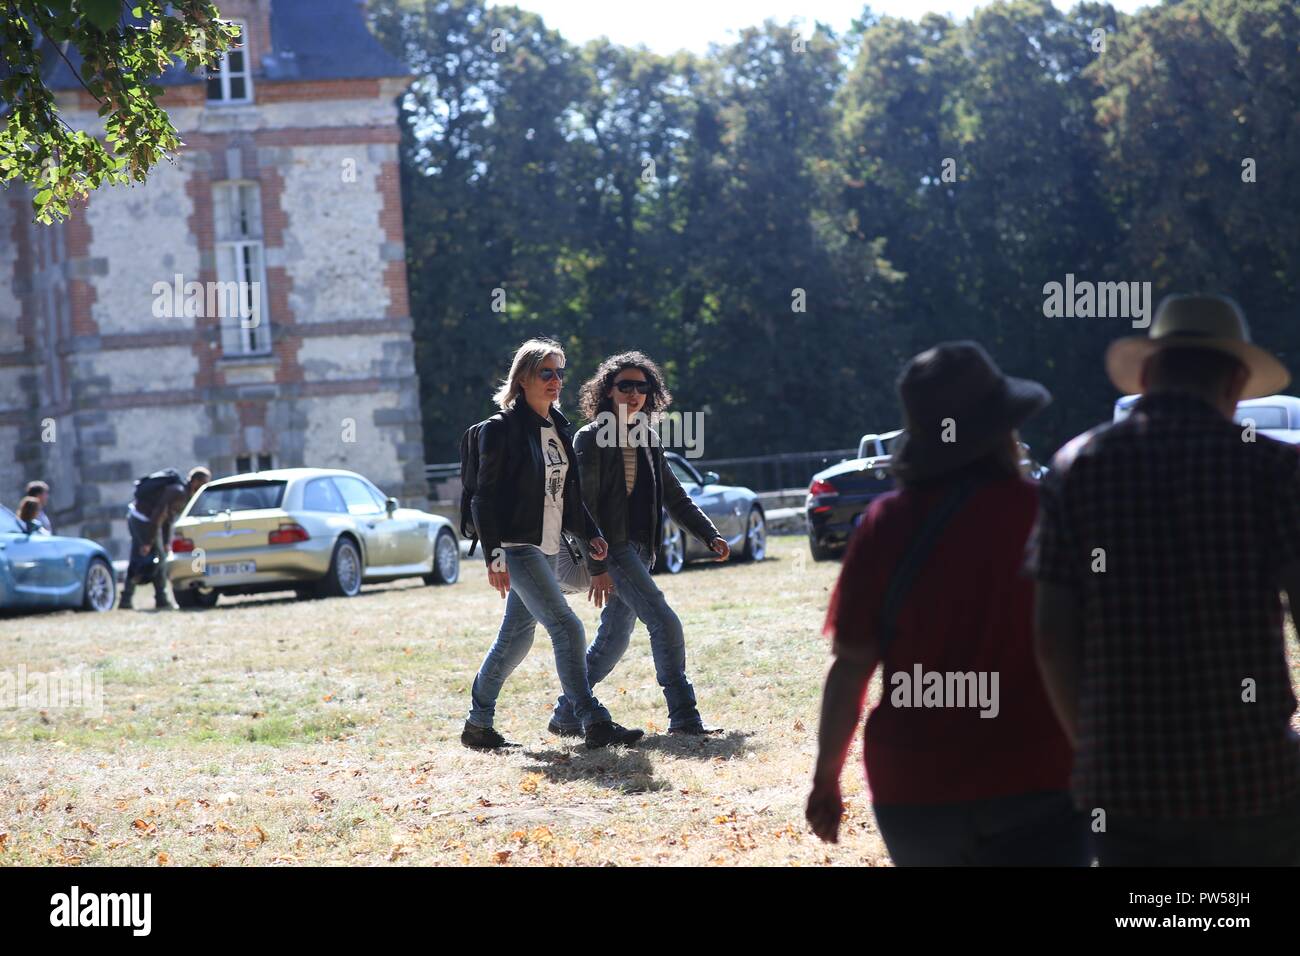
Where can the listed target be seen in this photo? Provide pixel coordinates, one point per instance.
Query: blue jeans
(535, 596)
(1026, 829)
(637, 596)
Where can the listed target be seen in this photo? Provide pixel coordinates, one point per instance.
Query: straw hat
(1211, 322)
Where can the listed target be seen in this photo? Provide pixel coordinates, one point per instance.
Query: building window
(247, 463)
(241, 268)
(232, 81)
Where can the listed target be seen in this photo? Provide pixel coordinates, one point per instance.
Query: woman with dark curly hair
(626, 485)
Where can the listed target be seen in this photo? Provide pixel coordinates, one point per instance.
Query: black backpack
(150, 488)
(469, 481)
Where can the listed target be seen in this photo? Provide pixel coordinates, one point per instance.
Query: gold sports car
(317, 531)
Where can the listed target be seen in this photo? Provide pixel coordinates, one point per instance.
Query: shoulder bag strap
(913, 560)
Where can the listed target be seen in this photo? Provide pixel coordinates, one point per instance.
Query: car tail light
(182, 545)
(288, 534)
(822, 488)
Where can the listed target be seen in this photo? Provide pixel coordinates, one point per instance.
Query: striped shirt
(629, 468)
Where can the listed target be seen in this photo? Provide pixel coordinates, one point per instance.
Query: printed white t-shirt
(554, 473)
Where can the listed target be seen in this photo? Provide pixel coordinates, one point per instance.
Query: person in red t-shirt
(965, 759)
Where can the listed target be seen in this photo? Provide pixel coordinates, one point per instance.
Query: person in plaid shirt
(1161, 546)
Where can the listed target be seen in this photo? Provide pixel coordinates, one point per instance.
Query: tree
(116, 50)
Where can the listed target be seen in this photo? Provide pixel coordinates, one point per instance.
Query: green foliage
(119, 59)
(917, 181)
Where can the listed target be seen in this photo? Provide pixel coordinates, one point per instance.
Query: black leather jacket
(604, 490)
(507, 503)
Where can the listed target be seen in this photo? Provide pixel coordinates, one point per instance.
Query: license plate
(237, 567)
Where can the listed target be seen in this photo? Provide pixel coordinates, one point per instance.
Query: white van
(1277, 416)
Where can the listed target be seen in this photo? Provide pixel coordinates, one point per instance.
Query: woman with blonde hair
(527, 493)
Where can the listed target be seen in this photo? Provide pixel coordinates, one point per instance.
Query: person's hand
(720, 547)
(825, 808)
(598, 548)
(500, 580)
(602, 586)
(145, 549)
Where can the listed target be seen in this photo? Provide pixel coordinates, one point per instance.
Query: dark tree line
(905, 182)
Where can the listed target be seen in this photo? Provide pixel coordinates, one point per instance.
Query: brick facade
(135, 391)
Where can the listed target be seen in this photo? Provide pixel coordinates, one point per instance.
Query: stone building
(114, 363)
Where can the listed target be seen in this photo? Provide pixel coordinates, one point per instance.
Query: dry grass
(274, 732)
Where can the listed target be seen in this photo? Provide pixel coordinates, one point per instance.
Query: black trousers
(143, 568)
(1270, 840)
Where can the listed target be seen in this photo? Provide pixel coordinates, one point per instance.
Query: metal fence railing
(776, 472)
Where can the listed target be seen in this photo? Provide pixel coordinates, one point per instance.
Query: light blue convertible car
(52, 571)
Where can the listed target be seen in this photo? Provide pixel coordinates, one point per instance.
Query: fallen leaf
(163, 859)
(502, 856)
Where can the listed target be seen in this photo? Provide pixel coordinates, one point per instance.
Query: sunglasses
(547, 374)
(627, 387)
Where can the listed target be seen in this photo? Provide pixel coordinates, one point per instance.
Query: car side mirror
(390, 506)
(711, 478)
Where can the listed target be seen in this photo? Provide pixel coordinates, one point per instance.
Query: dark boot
(483, 738)
(128, 590)
(162, 600)
(607, 732)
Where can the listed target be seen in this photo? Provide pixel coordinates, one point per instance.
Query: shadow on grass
(622, 769)
(272, 598)
(629, 769)
(726, 746)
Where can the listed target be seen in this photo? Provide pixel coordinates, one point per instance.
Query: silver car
(317, 531)
(735, 511)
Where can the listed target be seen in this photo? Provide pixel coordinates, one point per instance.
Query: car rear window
(1264, 416)
(245, 496)
(9, 522)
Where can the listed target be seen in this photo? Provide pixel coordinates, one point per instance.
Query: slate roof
(310, 40)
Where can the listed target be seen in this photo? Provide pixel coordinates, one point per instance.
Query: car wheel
(100, 591)
(672, 548)
(344, 576)
(819, 551)
(446, 559)
(755, 548)
(194, 598)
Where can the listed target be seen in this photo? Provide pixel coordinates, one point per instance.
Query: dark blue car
(52, 571)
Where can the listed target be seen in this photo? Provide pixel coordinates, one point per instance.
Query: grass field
(269, 731)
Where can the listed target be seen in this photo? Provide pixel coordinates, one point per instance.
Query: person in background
(159, 500)
(41, 492)
(29, 510)
(1162, 544)
(966, 762)
(627, 484)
